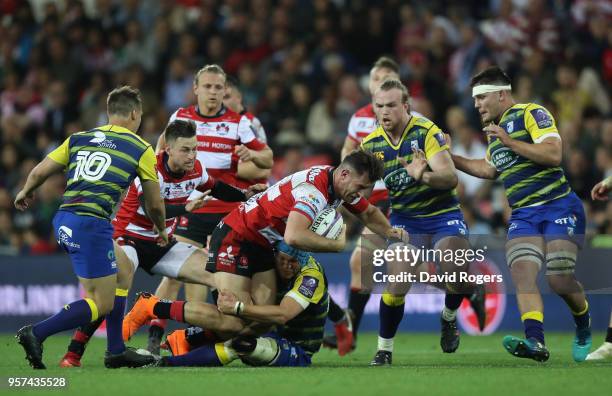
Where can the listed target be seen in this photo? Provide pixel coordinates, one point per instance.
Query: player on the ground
(601, 192)
(241, 247)
(227, 145)
(548, 221)
(421, 180)
(179, 173)
(299, 314)
(100, 164)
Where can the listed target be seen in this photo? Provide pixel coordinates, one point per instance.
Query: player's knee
(560, 263)
(524, 253)
(104, 305)
(231, 325)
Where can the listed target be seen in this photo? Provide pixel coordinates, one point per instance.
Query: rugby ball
(328, 223)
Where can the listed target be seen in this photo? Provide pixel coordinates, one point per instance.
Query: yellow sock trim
(534, 315)
(94, 309)
(222, 353)
(391, 300)
(585, 310)
(121, 292)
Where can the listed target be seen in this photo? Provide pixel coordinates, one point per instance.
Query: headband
(487, 88)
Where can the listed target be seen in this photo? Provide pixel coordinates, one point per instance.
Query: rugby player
(421, 180)
(548, 221)
(227, 145)
(299, 315)
(241, 253)
(100, 163)
(180, 173)
(362, 123)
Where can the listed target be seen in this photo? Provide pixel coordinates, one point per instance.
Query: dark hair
(213, 68)
(179, 129)
(231, 82)
(364, 162)
(123, 100)
(395, 84)
(385, 62)
(490, 75)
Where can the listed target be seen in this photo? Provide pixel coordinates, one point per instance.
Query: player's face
(391, 113)
(182, 153)
(488, 106)
(287, 267)
(210, 90)
(352, 185)
(233, 99)
(379, 75)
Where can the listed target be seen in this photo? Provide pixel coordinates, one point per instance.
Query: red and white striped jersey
(218, 136)
(131, 218)
(262, 219)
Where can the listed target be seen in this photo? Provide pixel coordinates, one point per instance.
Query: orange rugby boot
(141, 312)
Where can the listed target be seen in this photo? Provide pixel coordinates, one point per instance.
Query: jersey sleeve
(309, 286)
(146, 165)
(61, 155)
(359, 205)
(434, 142)
(540, 123)
(352, 129)
(247, 136)
(259, 130)
(207, 182)
(308, 200)
(173, 116)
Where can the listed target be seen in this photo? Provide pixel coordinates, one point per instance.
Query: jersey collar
(115, 128)
(174, 175)
(219, 113)
(406, 129)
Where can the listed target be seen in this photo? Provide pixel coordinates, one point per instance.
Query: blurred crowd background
(302, 67)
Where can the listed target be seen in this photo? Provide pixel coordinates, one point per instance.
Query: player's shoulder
(422, 122)
(230, 115)
(312, 268)
(375, 135)
(185, 113)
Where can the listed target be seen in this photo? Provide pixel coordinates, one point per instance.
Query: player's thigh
(194, 269)
(263, 287)
(561, 255)
(455, 262)
(188, 241)
(125, 256)
(196, 292)
(168, 288)
(237, 284)
(399, 267)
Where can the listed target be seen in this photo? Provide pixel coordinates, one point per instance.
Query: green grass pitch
(480, 367)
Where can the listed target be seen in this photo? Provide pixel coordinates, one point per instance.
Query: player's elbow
(291, 238)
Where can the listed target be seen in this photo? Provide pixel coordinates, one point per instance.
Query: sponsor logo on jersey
(503, 158)
(308, 286)
(222, 129)
(542, 118)
(440, 138)
(510, 127)
(398, 180)
(380, 155)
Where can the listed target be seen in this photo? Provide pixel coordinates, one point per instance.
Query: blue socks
(391, 313)
(114, 322)
(73, 315)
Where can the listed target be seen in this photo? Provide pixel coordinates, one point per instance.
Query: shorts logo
(542, 118)
(226, 258)
(183, 222)
(243, 262)
(65, 236)
(512, 226)
(308, 286)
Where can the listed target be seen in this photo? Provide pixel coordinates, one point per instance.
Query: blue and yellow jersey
(101, 164)
(526, 182)
(309, 289)
(408, 197)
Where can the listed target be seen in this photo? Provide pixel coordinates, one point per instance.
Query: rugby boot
(176, 343)
(449, 336)
(141, 312)
(129, 358)
(32, 347)
(345, 339)
(70, 359)
(382, 358)
(529, 348)
(601, 353)
(478, 301)
(582, 344)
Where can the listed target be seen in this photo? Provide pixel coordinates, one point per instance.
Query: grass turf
(480, 367)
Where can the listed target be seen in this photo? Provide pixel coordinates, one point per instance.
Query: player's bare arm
(249, 171)
(280, 314)
(36, 178)
(378, 223)
(299, 236)
(475, 167)
(155, 209)
(262, 158)
(601, 190)
(546, 153)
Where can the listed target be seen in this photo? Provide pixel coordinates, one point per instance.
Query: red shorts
(230, 252)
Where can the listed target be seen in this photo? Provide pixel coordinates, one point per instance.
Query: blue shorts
(561, 218)
(427, 231)
(290, 354)
(88, 241)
